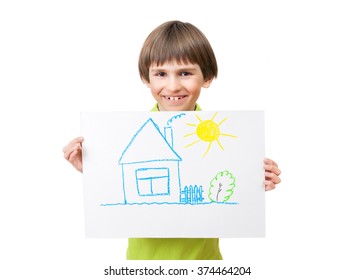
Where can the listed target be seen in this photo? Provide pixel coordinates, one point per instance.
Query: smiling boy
(175, 63)
(176, 87)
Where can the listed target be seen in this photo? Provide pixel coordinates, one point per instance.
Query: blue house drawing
(152, 176)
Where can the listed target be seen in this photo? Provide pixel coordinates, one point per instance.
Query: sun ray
(190, 134)
(219, 144)
(191, 124)
(213, 116)
(222, 121)
(199, 118)
(230, 135)
(208, 148)
(193, 143)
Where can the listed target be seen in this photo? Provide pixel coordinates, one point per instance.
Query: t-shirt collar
(156, 108)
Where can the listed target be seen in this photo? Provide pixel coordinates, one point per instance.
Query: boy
(175, 62)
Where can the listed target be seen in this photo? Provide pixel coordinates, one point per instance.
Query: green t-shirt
(173, 248)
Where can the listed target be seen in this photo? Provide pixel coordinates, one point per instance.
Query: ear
(207, 83)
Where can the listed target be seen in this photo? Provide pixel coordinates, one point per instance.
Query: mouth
(174, 98)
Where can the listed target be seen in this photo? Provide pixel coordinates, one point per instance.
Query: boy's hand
(272, 173)
(73, 153)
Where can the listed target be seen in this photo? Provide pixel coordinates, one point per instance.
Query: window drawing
(153, 181)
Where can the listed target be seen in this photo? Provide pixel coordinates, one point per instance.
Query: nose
(173, 84)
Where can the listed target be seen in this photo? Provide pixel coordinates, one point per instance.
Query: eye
(161, 74)
(184, 74)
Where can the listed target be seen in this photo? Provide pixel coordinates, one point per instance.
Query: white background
(293, 59)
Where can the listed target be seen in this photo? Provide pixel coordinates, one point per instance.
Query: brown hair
(176, 40)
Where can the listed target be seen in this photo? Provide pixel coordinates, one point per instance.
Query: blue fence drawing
(191, 195)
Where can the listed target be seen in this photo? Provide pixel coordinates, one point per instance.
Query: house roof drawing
(148, 144)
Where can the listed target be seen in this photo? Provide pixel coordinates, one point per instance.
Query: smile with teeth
(174, 97)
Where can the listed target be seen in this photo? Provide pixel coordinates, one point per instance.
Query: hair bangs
(173, 49)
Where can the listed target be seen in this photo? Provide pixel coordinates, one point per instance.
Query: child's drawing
(208, 131)
(152, 176)
(174, 174)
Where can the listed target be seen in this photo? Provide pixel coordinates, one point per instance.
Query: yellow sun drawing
(208, 131)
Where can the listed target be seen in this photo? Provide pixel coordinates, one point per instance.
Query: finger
(69, 152)
(269, 185)
(272, 177)
(76, 140)
(272, 169)
(72, 156)
(75, 161)
(270, 161)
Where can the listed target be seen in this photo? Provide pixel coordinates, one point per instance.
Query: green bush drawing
(221, 187)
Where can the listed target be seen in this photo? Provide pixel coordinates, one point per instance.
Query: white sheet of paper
(174, 174)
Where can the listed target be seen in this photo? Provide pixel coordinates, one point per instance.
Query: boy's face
(176, 87)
